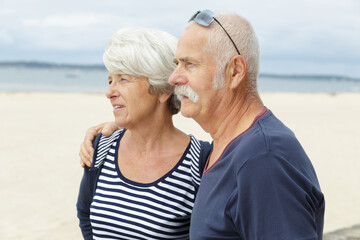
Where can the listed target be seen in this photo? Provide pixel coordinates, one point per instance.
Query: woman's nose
(110, 92)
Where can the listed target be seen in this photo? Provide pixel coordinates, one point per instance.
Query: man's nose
(177, 78)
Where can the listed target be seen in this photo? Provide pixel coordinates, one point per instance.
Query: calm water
(95, 81)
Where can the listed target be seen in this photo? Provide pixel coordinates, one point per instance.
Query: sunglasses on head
(205, 18)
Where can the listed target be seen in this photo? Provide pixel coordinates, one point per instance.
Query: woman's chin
(120, 123)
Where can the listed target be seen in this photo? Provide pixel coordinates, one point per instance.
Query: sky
(319, 37)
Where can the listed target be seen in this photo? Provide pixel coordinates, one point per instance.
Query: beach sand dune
(41, 134)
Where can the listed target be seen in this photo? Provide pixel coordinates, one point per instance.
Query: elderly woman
(144, 177)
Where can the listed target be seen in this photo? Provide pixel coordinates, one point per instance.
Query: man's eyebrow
(184, 59)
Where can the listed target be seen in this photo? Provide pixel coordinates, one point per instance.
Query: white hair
(220, 46)
(144, 52)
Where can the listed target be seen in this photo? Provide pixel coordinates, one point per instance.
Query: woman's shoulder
(199, 151)
(115, 134)
(102, 145)
(113, 137)
(203, 146)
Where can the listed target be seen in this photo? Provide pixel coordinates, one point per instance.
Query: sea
(94, 80)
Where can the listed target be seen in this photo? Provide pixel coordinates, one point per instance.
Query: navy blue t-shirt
(262, 187)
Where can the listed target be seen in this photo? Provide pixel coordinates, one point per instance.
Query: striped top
(124, 209)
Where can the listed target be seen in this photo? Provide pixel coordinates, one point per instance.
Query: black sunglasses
(205, 18)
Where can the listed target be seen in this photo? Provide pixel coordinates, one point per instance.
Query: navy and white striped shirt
(123, 209)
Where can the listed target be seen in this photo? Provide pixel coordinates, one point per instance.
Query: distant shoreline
(35, 64)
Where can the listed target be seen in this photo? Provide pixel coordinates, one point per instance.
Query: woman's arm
(85, 197)
(83, 205)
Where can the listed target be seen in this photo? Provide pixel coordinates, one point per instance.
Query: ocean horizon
(45, 77)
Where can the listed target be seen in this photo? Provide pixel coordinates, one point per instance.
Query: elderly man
(258, 182)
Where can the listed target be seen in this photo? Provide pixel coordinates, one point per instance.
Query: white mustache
(186, 91)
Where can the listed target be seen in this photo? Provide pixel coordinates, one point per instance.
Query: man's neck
(238, 116)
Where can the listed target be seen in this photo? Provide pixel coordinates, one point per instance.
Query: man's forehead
(194, 33)
(191, 42)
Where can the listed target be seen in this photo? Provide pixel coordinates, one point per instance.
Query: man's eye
(110, 82)
(123, 80)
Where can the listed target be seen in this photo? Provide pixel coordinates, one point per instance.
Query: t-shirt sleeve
(273, 200)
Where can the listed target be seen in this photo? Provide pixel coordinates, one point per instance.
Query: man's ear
(236, 70)
(163, 97)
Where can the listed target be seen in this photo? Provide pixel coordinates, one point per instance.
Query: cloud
(6, 11)
(67, 21)
(329, 31)
(316, 31)
(5, 38)
(76, 31)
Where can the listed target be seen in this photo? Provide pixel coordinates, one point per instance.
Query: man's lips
(181, 96)
(118, 107)
(184, 98)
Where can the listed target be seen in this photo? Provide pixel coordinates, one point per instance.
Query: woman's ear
(163, 97)
(236, 70)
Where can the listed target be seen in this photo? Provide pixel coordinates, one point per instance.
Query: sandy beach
(41, 134)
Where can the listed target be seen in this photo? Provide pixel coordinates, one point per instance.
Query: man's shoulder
(272, 143)
(272, 127)
(278, 137)
(268, 134)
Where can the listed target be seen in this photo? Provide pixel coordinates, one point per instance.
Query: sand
(41, 134)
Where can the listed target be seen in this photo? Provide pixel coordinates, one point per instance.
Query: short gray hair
(144, 52)
(223, 50)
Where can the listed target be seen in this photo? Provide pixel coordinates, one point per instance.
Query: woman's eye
(110, 82)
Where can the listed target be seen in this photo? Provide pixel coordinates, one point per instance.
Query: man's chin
(185, 112)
